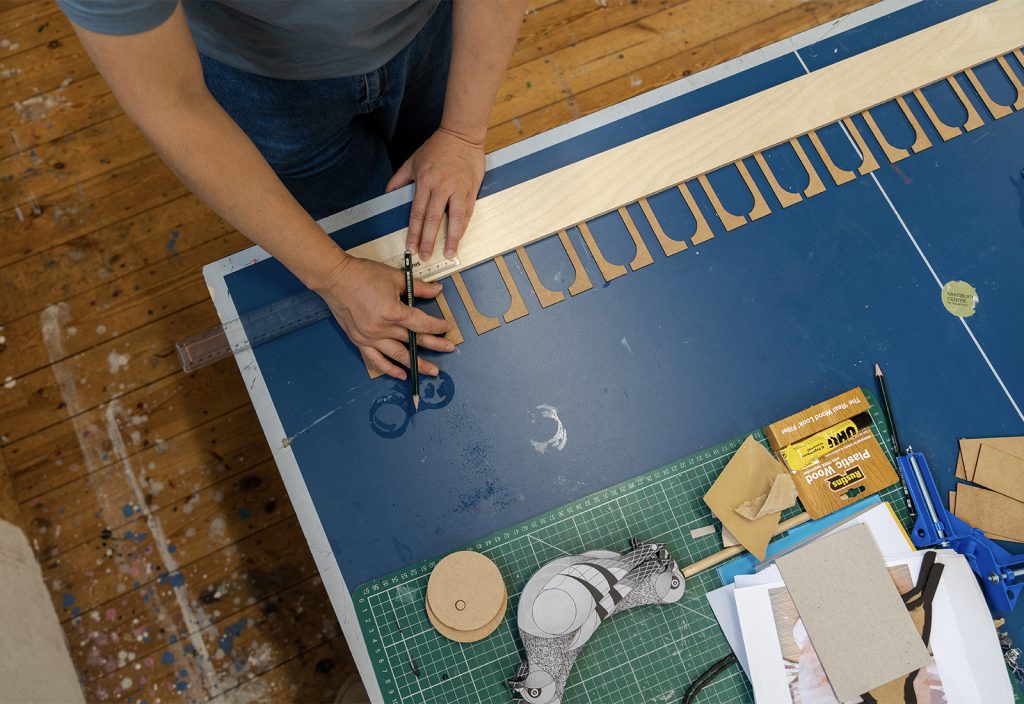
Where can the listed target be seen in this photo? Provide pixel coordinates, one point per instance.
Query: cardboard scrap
(728, 539)
(852, 612)
(781, 496)
(749, 474)
(991, 512)
(1000, 471)
(971, 447)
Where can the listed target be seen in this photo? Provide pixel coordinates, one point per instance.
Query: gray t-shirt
(290, 39)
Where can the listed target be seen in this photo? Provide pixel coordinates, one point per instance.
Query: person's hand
(365, 297)
(447, 170)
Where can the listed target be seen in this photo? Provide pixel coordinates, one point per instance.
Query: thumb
(402, 177)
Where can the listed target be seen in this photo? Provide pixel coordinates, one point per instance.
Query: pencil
(880, 378)
(414, 363)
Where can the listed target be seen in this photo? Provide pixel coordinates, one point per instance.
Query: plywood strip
(608, 270)
(785, 198)
(868, 162)
(601, 183)
(760, 208)
(814, 184)
(840, 176)
(997, 110)
(546, 296)
(481, 323)
(582, 281)
(893, 154)
(643, 255)
(921, 141)
(454, 334)
(516, 307)
(728, 219)
(703, 232)
(668, 245)
(1011, 75)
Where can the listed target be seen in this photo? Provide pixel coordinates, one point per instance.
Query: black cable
(709, 675)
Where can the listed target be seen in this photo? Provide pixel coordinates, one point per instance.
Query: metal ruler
(277, 319)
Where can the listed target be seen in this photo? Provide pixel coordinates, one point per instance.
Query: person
(279, 112)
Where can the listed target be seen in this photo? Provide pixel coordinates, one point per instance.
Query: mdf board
(651, 361)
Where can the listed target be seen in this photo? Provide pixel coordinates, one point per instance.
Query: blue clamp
(1000, 572)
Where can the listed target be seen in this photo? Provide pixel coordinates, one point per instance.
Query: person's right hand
(365, 297)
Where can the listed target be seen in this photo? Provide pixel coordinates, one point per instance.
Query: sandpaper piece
(749, 474)
(991, 512)
(566, 600)
(852, 612)
(970, 447)
(1000, 471)
(781, 496)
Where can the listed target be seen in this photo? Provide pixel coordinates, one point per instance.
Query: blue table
(744, 328)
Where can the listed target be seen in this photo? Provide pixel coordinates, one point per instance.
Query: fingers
(458, 218)
(381, 363)
(422, 289)
(402, 177)
(420, 323)
(432, 222)
(400, 353)
(435, 343)
(417, 214)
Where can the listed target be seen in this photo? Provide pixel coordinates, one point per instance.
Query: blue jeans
(335, 142)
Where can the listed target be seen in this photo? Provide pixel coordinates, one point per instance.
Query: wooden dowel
(730, 552)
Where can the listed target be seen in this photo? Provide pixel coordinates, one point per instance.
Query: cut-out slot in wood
(1011, 75)
(997, 110)
(546, 296)
(703, 232)
(668, 245)
(516, 307)
(840, 176)
(974, 120)
(814, 183)
(921, 141)
(760, 208)
(481, 323)
(893, 154)
(643, 255)
(947, 132)
(729, 220)
(785, 198)
(868, 162)
(582, 281)
(608, 270)
(454, 334)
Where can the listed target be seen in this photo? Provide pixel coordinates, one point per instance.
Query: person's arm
(449, 167)
(157, 77)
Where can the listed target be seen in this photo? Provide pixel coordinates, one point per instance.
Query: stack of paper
(997, 464)
(854, 612)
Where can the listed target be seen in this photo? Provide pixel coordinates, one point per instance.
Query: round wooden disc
(468, 636)
(465, 591)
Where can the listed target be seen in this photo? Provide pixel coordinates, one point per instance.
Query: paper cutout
(781, 496)
(749, 474)
(852, 611)
(566, 600)
(1000, 471)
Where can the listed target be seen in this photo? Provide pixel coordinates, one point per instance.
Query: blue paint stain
(244, 514)
(168, 657)
(173, 639)
(181, 685)
(391, 413)
(135, 585)
(172, 243)
(129, 535)
(183, 672)
(68, 600)
(175, 579)
(141, 536)
(75, 611)
(172, 548)
(403, 550)
(127, 510)
(227, 641)
(189, 650)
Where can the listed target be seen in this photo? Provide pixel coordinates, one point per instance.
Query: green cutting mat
(649, 654)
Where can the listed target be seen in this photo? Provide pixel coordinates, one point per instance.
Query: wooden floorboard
(166, 537)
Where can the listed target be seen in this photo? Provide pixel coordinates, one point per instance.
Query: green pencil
(414, 363)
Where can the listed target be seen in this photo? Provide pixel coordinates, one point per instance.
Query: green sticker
(959, 298)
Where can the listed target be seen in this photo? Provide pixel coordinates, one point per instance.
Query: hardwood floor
(166, 537)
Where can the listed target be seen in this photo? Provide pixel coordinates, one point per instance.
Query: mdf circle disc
(468, 636)
(465, 591)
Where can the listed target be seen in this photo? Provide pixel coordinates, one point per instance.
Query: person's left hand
(447, 170)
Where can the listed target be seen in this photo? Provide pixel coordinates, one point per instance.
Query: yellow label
(804, 453)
